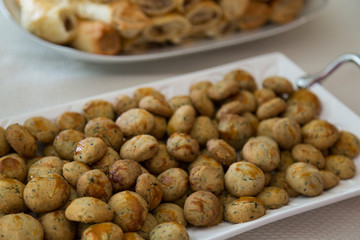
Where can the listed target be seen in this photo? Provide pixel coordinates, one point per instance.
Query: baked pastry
(11, 196)
(30, 228)
(57, 227)
(21, 140)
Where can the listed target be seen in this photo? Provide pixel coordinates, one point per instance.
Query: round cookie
(169, 230)
(94, 183)
(286, 132)
(122, 103)
(105, 230)
(174, 182)
(244, 179)
(201, 102)
(21, 140)
(341, 166)
(182, 120)
(73, 170)
(20, 226)
(123, 174)
(170, 212)
(89, 210)
(149, 224)
(98, 108)
(348, 145)
(71, 120)
(13, 166)
(42, 129)
(147, 91)
(271, 108)
(221, 151)
(244, 209)
(330, 179)
(156, 106)
(11, 196)
(90, 150)
(182, 147)
(309, 154)
(66, 141)
(243, 78)
(203, 130)
(57, 227)
(45, 166)
(150, 189)
(139, 148)
(104, 164)
(161, 161)
(279, 85)
(206, 178)
(273, 197)
(136, 121)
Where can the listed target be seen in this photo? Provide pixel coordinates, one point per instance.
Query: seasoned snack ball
(207, 179)
(278, 180)
(279, 85)
(105, 129)
(169, 212)
(286, 132)
(207, 161)
(160, 126)
(66, 141)
(45, 166)
(73, 170)
(13, 166)
(149, 224)
(89, 210)
(348, 145)
(106, 230)
(136, 121)
(122, 103)
(271, 108)
(21, 140)
(309, 154)
(178, 101)
(90, 150)
(94, 183)
(147, 91)
(263, 152)
(244, 179)
(4, 145)
(150, 189)
(161, 161)
(305, 97)
(42, 129)
(98, 108)
(341, 166)
(174, 182)
(71, 120)
(182, 120)
(244, 79)
(265, 127)
(203, 130)
(247, 99)
(223, 89)
(11, 196)
(244, 209)
(273, 197)
(305, 179)
(221, 151)
(110, 157)
(182, 147)
(139, 148)
(202, 102)
(57, 227)
(201, 208)
(130, 210)
(45, 194)
(123, 174)
(263, 95)
(169, 230)
(330, 179)
(156, 106)
(320, 133)
(20, 226)
(232, 107)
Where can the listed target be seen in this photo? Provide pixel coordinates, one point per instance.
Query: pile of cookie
(130, 26)
(146, 167)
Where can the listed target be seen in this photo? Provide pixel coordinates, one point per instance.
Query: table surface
(32, 77)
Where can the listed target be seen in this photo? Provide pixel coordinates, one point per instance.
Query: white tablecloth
(32, 77)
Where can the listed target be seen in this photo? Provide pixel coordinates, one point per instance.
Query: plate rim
(176, 51)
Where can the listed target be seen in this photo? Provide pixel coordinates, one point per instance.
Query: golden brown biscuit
(170, 212)
(286, 132)
(265, 127)
(300, 112)
(244, 209)
(42, 129)
(105, 129)
(231, 107)
(273, 197)
(278, 180)
(66, 141)
(159, 129)
(122, 103)
(178, 101)
(306, 97)
(221, 151)
(150, 189)
(11, 196)
(94, 183)
(201, 102)
(98, 108)
(45, 194)
(174, 182)
(182, 147)
(161, 161)
(205, 160)
(201, 208)
(235, 130)
(206, 178)
(329, 178)
(139, 148)
(263, 95)
(90, 150)
(203, 130)
(169, 230)
(21, 140)
(130, 210)
(223, 89)
(305, 179)
(182, 120)
(320, 133)
(20, 226)
(280, 85)
(57, 227)
(263, 152)
(45, 166)
(4, 145)
(105, 230)
(348, 145)
(245, 80)
(156, 106)
(244, 179)
(123, 174)
(89, 210)
(149, 224)
(71, 120)
(271, 108)
(73, 170)
(341, 166)
(136, 121)
(309, 154)
(104, 164)
(147, 91)
(13, 166)
(247, 98)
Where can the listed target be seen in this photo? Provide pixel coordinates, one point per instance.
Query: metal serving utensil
(308, 80)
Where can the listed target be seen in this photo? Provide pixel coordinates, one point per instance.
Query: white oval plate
(260, 67)
(311, 9)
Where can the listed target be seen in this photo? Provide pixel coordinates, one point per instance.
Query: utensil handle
(308, 80)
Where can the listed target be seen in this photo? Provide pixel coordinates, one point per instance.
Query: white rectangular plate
(311, 9)
(260, 67)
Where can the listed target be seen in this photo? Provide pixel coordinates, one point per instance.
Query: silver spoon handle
(308, 80)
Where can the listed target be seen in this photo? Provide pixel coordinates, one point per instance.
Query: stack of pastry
(126, 26)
